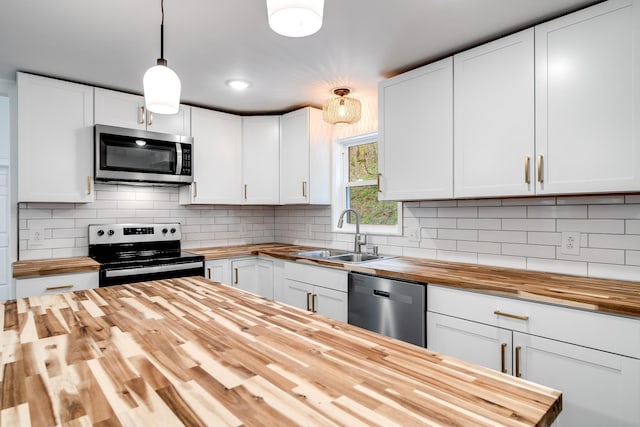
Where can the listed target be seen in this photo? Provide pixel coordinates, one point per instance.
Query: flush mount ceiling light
(341, 110)
(238, 84)
(295, 18)
(161, 84)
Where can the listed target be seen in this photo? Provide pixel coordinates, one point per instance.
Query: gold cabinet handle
(245, 191)
(512, 316)
(57, 288)
(379, 187)
(526, 170)
(195, 189)
(88, 185)
(209, 273)
(540, 177)
(308, 303)
(150, 118)
(503, 356)
(141, 115)
(518, 373)
(235, 271)
(314, 297)
(304, 189)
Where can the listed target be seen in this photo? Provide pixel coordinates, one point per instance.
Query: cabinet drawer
(320, 276)
(55, 284)
(616, 334)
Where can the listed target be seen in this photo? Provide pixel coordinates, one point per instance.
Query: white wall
(66, 225)
(520, 233)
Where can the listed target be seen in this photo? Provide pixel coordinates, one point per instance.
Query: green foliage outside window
(362, 189)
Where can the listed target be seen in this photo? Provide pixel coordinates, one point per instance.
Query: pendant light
(341, 110)
(295, 18)
(161, 84)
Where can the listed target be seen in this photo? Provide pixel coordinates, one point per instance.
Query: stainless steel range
(130, 253)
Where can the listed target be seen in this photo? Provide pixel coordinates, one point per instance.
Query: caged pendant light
(341, 110)
(295, 18)
(161, 84)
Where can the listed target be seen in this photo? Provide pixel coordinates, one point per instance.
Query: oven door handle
(152, 269)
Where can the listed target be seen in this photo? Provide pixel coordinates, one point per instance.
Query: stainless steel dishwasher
(390, 307)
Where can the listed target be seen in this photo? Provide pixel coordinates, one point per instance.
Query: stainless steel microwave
(138, 156)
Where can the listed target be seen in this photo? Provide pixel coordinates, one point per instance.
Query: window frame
(341, 182)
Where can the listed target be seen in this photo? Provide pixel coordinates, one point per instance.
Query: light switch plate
(414, 234)
(570, 243)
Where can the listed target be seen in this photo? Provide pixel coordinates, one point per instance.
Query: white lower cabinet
(55, 284)
(218, 270)
(317, 289)
(599, 387)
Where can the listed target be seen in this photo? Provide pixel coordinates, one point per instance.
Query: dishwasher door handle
(381, 293)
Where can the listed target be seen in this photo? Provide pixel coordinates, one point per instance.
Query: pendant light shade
(341, 110)
(161, 84)
(295, 18)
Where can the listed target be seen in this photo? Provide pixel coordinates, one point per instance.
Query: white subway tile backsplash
(529, 201)
(458, 234)
(609, 256)
(457, 256)
(615, 211)
(632, 257)
(438, 203)
(469, 212)
(591, 225)
(557, 211)
(529, 224)
(419, 253)
(610, 271)
(557, 266)
(535, 251)
(479, 247)
(632, 198)
(479, 223)
(438, 244)
(632, 226)
(438, 222)
(502, 261)
(503, 236)
(503, 212)
(614, 241)
(542, 238)
(590, 200)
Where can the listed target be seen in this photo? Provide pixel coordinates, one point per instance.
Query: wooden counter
(609, 296)
(189, 351)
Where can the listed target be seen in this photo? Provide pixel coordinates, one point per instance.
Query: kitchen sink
(356, 258)
(341, 256)
(322, 253)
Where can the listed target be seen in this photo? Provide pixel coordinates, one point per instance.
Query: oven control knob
(164, 231)
(173, 230)
(100, 232)
(111, 232)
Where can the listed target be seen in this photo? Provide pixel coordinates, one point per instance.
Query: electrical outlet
(570, 243)
(414, 234)
(36, 237)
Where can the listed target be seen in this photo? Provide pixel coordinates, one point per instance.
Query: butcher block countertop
(609, 296)
(194, 352)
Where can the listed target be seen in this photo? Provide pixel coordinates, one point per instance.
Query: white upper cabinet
(128, 111)
(494, 118)
(261, 160)
(217, 159)
(305, 158)
(588, 100)
(55, 140)
(416, 134)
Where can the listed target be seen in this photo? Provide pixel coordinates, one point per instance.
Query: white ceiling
(112, 43)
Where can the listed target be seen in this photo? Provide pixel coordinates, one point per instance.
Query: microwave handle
(178, 158)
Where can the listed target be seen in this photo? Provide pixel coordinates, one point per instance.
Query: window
(357, 188)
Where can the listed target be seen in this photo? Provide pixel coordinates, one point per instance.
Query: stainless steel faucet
(358, 239)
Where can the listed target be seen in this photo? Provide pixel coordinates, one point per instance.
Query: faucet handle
(375, 250)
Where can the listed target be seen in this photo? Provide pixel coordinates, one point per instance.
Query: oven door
(139, 156)
(143, 273)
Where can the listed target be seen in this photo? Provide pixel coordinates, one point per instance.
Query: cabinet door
(470, 341)
(261, 159)
(330, 303)
(119, 109)
(245, 275)
(294, 157)
(265, 278)
(175, 124)
(416, 134)
(55, 140)
(217, 159)
(588, 100)
(494, 118)
(218, 270)
(598, 388)
(298, 294)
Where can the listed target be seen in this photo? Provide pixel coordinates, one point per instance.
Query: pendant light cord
(162, 30)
